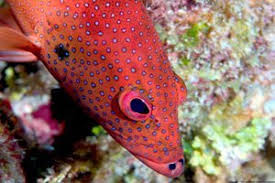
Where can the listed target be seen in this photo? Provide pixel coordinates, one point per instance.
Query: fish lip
(162, 168)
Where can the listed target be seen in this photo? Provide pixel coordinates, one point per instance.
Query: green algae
(191, 37)
(204, 157)
(228, 133)
(184, 61)
(98, 130)
(2, 3)
(216, 147)
(187, 147)
(214, 59)
(10, 76)
(244, 36)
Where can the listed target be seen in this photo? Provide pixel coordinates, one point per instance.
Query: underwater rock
(11, 154)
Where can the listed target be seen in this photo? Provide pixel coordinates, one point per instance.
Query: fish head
(149, 116)
(122, 75)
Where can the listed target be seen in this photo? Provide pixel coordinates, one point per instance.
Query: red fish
(109, 58)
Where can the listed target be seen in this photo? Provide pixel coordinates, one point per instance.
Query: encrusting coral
(224, 50)
(11, 154)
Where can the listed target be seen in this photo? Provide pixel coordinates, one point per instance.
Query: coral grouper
(108, 57)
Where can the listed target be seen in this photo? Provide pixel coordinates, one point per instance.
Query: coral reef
(11, 154)
(224, 50)
(41, 126)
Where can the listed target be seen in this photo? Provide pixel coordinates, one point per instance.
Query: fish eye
(134, 106)
(137, 105)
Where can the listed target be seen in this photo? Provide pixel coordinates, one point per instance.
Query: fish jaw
(170, 169)
(171, 166)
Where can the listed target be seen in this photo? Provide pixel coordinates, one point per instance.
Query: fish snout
(171, 169)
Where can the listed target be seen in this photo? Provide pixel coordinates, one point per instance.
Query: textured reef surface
(224, 51)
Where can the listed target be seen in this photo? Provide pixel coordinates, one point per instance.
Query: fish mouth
(171, 169)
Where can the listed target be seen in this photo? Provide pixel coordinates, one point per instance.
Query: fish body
(107, 55)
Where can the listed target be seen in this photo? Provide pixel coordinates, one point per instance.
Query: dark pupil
(138, 106)
(61, 52)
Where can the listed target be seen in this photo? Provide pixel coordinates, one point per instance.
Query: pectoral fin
(16, 47)
(17, 56)
(7, 18)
